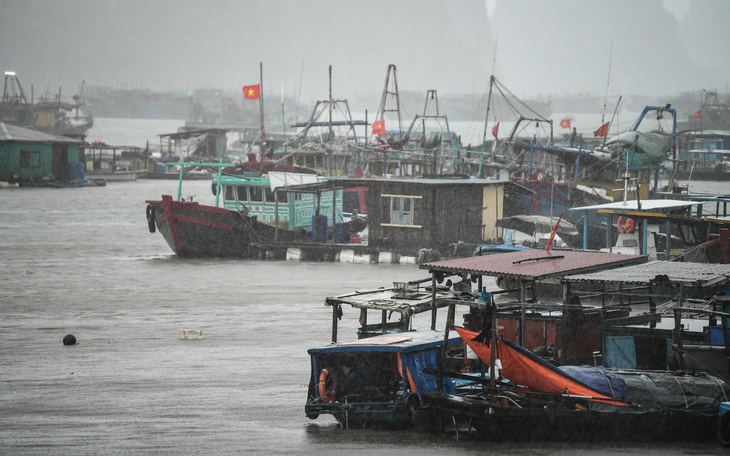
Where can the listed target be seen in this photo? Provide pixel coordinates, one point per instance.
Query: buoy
(69, 340)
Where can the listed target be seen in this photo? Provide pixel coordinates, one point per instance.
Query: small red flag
(252, 92)
(552, 235)
(379, 127)
(602, 131)
(698, 114)
(495, 130)
(565, 123)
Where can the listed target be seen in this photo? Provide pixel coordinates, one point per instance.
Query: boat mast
(261, 110)
(329, 152)
(382, 109)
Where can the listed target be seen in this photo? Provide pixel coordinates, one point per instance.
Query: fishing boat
(528, 396)
(685, 229)
(681, 313)
(533, 399)
(252, 216)
(377, 380)
(704, 155)
(635, 157)
(50, 115)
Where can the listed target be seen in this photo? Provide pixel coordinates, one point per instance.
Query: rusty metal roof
(534, 264)
(698, 275)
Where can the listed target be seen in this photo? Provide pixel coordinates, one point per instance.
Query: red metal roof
(534, 264)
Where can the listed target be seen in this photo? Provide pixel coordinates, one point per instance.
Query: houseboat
(31, 158)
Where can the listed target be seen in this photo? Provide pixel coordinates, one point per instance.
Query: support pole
(433, 301)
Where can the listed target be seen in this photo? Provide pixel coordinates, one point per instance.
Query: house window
(30, 159)
(402, 210)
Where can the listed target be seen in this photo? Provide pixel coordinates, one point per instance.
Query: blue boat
(362, 383)
(378, 380)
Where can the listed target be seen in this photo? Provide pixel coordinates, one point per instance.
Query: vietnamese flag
(565, 123)
(602, 131)
(698, 114)
(379, 127)
(552, 234)
(495, 130)
(252, 92)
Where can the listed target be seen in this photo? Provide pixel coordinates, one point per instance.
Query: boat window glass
(284, 197)
(242, 194)
(30, 159)
(257, 195)
(228, 193)
(269, 195)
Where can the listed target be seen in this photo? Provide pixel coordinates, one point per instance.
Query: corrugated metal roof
(534, 264)
(690, 274)
(646, 205)
(10, 133)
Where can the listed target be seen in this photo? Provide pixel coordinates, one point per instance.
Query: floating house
(29, 157)
(406, 216)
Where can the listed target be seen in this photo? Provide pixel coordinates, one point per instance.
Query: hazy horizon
(543, 48)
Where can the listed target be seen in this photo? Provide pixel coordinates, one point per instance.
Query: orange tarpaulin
(524, 368)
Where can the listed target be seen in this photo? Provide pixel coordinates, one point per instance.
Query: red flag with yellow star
(252, 92)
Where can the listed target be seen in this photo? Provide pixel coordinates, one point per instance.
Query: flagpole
(261, 109)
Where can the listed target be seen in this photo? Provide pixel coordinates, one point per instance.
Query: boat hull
(496, 423)
(196, 230)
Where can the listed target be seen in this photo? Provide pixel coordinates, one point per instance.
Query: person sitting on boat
(352, 385)
(356, 223)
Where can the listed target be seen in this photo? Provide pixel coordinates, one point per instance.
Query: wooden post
(433, 301)
(335, 307)
(725, 338)
(442, 359)
(678, 338)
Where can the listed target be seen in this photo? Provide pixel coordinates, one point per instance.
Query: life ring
(327, 374)
(151, 218)
(723, 429)
(626, 225)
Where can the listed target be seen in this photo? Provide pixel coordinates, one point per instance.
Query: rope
(686, 404)
(714, 379)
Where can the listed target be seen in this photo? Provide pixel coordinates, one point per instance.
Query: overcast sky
(543, 47)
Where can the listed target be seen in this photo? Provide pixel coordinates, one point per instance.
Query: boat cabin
(564, 332)
(681, 312)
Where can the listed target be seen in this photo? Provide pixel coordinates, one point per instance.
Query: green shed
(30, 157)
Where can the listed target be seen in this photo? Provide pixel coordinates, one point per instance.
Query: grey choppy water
(82, 262)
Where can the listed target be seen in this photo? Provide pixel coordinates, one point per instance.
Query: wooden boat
(251, 217)
(541, 401)
(523, 395)
(381, 398)
(388, 358)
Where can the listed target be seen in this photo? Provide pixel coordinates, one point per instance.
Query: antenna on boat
(299, 94)
(489, 95)
(608, 82)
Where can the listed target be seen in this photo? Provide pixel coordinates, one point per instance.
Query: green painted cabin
(28, 156)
